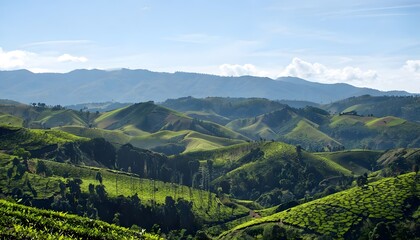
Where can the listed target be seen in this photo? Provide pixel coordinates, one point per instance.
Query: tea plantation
(22, 222)
(389, 199)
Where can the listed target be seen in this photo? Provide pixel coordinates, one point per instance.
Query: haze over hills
(126, 85)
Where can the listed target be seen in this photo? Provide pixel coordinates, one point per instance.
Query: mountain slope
(315, 129)
(221, 109)
(403, 107)
(152, 118)
(270, 173)
(22, 222)
(141, 85)
(340, 215)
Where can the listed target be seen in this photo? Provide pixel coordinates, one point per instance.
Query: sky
(364, 43)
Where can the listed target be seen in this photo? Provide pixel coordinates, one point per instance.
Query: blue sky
(364, 43)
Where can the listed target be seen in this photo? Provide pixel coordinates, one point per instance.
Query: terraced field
(336, 215)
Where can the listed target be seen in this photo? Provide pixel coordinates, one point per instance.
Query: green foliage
(336, 215)
(30, 139)
(22, 222)
(149, 191)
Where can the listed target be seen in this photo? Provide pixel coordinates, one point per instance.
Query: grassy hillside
(10, 120)
(340, 215)
(373, 133)
(356, 161)
(36, 185)
(152, 118)
(47, 117)
(270, 173)
(403, 107)
(315, 130)
(31, 139)
(223, 108)
(22, 222)
(306, 132)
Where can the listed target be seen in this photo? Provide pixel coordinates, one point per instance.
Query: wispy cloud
(366, 11)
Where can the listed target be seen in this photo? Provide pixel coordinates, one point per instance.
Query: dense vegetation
(242, 168)
(22, 222)
(384, 203)
(398, 106)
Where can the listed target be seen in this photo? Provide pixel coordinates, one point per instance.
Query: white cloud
(240, 70)
(69, 58)
(14, 59)
(319, 72)
(412, 66)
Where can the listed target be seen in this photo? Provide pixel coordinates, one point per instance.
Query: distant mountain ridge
(126, 85)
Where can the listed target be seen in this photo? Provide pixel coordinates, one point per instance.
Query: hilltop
(380, 106)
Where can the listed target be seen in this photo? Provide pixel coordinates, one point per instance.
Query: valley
(225, 168)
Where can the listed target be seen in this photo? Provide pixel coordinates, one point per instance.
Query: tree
(100, 190)
(299, 152)
(362, 180)
(381, 232)
(274, 232)
(42, 168)
(22, 153)
(186, 216)
(99, 177)
(416, 168)
(91, 189)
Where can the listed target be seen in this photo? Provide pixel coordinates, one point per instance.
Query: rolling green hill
(22, 222)
(404, 107)
(270, 173)
(10, 120)
(342, 215)
(47, 117)
(314, 129)
(356, 161)
(144, 125)
(152, 118)
(223, 110)
(44, 187)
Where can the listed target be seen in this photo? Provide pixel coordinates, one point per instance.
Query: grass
(357, 161)
(307, 132)
(60, 118)
(336, 214)
(386, 122)
(205, 204)
(115, 136)
(22, 222)
(34, 138)
(121, 183)
(337, 121)
(10, 120)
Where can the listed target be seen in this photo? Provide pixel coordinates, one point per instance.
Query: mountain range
(126, 85)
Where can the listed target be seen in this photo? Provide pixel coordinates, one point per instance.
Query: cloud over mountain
(14, 59)
(237, 70)
(316, 71)
(412, 66)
